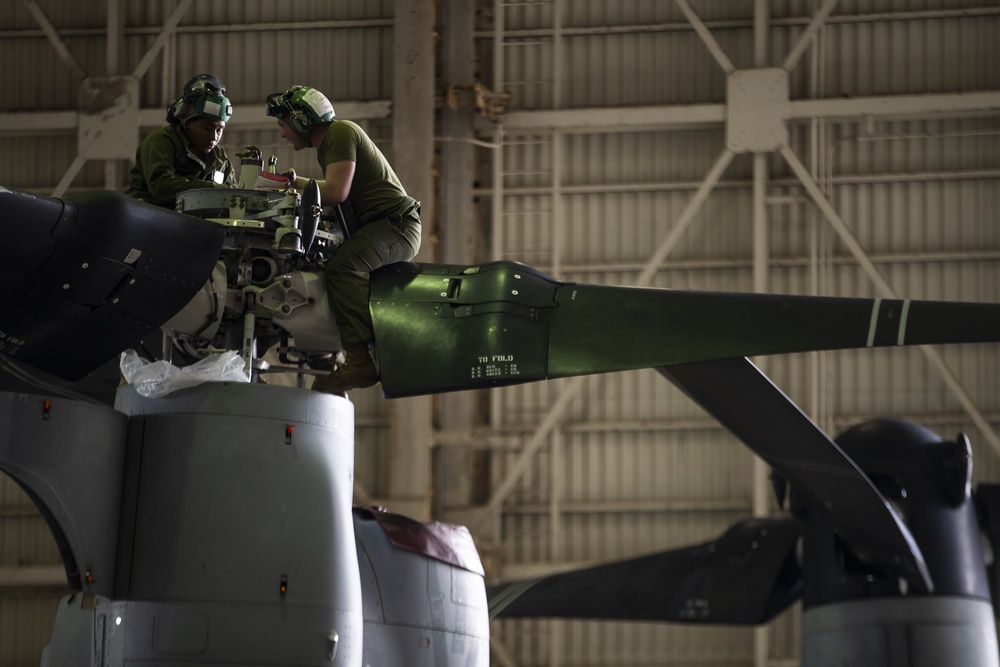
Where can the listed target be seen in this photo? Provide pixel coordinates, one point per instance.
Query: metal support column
(411, 423)
(457, 233)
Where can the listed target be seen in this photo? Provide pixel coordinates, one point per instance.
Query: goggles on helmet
(203, 96)
(203, 84)
(278, 105)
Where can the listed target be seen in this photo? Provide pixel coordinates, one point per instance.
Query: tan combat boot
(357, 372)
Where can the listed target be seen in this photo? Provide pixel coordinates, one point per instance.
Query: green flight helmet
(302, 107)
(204, 96)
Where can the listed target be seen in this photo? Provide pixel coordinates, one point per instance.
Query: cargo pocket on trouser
(407, 243)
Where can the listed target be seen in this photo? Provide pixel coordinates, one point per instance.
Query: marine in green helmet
(354, 171)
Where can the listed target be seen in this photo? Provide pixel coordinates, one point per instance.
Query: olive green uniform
(164, 166)
(388, 227)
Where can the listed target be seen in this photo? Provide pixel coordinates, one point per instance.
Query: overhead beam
(899, 106)
(635, 118)
(67, 179)
(33, 576)
(629, 118)
(885, 290)
(806, 38)
(572, 387)
(706, 36)
(610, 119)
(58, 43)
(577, 31)
(161, 39)
(245, 117)
(656, 260)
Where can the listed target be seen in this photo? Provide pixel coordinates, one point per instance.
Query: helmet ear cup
(300, 122)
(175, 110)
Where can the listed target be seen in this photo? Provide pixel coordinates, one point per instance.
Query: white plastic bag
(158, 378)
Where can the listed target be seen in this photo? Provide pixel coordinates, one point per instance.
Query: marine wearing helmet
(303, 109)
(388, 220)
(186, 153)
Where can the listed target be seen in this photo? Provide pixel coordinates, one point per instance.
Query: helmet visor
(278, 105)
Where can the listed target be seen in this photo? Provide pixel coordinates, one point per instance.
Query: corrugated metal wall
(632, 466)
(255, 48)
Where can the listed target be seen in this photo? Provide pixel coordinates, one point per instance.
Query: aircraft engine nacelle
(234, 544)
(423, 593)
(857, 614)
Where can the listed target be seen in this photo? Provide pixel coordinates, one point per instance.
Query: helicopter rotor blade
(745, 577)
(97, 271)
(444, 327)
(90, 275)
(745, 401)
